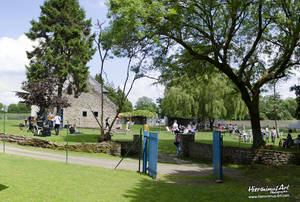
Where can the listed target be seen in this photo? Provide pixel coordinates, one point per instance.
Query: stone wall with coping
(116, 148)
(236, 155)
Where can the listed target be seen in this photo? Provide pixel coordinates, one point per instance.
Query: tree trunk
(211, 123)
(275, 110)
(59, 94)
(258, 142)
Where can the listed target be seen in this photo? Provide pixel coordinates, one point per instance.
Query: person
(30, 125)
(57, 121)
(72, 129)
(177, 141)
(273, 135)
(267, 133)
(288, 141)
(230, 128)
(50, 121)
(127, 126)
(262, 133)
(106, 122)
(25, 120)
(220, 127)
(175, 126)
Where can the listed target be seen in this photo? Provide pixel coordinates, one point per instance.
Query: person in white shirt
(267, 134)
(57, 121)
(175, 126)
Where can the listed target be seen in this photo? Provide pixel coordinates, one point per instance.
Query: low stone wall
(238, 155)
(116, 148)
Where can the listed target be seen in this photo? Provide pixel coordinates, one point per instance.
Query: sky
(15, 17)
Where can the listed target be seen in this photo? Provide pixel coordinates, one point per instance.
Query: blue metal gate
(217, 154)
(153, 148)
(145, 151)
(151, 155)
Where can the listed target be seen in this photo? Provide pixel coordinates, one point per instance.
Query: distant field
(271, 123)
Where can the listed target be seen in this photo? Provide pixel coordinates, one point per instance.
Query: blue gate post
(153, 148)
(217, 155)
(145, 151)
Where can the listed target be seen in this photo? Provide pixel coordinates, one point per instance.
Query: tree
(12, 108)
(23, 108)
(65, 45)
(145, 103)
(118, 44)
(204, 97)
(1, 107)
(115, 95)
(233, 36)
(297, 92)
(42, 94)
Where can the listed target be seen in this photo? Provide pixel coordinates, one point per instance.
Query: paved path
(180, 167)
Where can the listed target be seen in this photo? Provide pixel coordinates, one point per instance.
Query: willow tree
(65, 45)
(251, 41)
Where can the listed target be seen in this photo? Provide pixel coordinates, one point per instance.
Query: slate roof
(95, 85)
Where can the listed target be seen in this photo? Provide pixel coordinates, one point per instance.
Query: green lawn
(28, 179)
(166, 139)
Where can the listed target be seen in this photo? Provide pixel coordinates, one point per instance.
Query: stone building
(80, 111)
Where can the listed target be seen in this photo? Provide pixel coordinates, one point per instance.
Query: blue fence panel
(217, 154)
(145, 149)
(153, 149)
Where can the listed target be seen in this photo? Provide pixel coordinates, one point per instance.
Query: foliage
(297, 92)
(139, 113)
(145, 103)
(206, 96)
(115, 95)
(42, 94)
(2, 107)
(233, 36)
(65, 45)
(286, 109)
(18, 108)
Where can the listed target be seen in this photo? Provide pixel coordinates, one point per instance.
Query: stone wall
(87, 102)
(238, 155)
(113, 148)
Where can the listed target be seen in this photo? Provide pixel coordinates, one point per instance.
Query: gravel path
(178, 166)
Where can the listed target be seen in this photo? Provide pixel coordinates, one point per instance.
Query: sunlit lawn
(28, 179)
(166, 138)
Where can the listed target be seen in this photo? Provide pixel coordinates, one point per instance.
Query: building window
(84, 113)
(96, 114)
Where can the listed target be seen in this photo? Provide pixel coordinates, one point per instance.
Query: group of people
(178, 130)
(290, 141)
(51, 121)
(269, 133)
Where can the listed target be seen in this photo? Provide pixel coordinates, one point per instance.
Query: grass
(166, 139)
(28, 179)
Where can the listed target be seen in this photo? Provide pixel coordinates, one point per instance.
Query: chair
(39, 126)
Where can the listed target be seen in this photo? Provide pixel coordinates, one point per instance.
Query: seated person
(72, 129)
(288, 141)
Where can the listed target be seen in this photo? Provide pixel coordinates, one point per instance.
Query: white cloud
(13, 53)
(284, 87)
(145, 87)
(12, 66)
(102, 3)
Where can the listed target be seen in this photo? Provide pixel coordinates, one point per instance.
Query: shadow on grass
(2, 187)
(185, 186)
